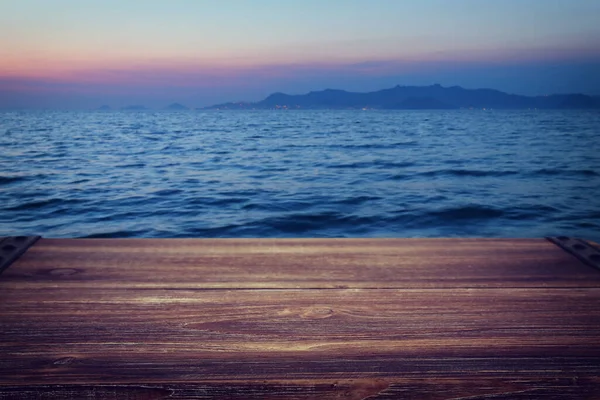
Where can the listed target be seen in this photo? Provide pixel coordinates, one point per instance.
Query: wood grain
(299, 263)
(300, 319)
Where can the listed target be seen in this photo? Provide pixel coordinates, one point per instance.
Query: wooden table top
(299, 319)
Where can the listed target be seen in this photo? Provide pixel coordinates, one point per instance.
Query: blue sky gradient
(81, 54)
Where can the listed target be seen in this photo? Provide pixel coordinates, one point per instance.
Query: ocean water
(459, 173)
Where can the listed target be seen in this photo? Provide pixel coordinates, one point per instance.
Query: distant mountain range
(417, 97)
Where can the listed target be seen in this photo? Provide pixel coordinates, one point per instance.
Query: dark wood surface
(299, 319)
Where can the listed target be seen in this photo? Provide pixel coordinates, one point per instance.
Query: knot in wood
(317, 313)
(64, 361)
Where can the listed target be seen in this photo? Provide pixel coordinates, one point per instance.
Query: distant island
(416, 97)
(176, 107)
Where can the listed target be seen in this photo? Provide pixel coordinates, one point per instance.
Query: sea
(300, 173)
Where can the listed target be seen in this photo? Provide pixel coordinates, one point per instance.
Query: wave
(357, 200)
(308, 174)
(532, 212)
(384, 146)
(5, 180)
(132, 165)
(289, 225)
(474, 173)
(39, 204)
(567, 172)
(303, 223)
(116, 234)
(374, 164)
(467, 172)
(278, 206)
(340, 224)
(218, 201)
(166, 192)
(450, 214)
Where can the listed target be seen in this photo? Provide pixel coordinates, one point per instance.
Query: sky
(86, 53)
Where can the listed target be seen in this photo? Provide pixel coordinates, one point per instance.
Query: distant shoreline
(434, 97)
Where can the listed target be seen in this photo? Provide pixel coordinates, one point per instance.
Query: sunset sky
(85, 53)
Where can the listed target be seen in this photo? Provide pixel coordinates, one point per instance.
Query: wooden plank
(213, 335)
(250, 333)
(299, 263)
(440, 388)
(299, 318)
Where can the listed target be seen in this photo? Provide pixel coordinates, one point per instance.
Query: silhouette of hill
(104, 108)
(176, 107)
(416, 97)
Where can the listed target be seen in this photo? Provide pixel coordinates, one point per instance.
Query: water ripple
(300, 174)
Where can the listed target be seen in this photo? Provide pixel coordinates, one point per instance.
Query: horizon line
(141, 107)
